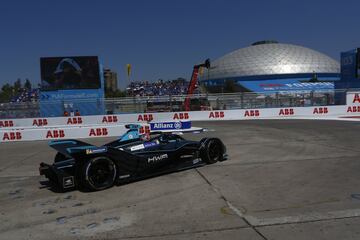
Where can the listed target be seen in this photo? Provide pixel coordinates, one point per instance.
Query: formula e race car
(129, 158)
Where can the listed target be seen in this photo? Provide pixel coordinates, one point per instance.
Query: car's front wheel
(99, 173)
(212, 150)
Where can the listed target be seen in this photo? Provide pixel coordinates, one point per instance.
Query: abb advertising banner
(353, 104)
(240, 114)
(12, 135)
(353, 98)
(113, 125)
(60, 121)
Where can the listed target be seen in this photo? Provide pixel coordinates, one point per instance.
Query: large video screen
(61, 73)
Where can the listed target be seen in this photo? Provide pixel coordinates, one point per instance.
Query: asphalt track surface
(285, 179)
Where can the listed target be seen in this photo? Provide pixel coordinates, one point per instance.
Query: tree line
(10, 90)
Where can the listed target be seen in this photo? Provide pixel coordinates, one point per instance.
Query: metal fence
(198, 102)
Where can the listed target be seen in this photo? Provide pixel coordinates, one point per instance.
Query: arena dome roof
(272, 58)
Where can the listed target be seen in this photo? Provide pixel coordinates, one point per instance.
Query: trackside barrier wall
(241, 114)
(12, 135)
(113, 125)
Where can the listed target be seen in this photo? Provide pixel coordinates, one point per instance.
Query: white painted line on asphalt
(310, 217)
(329, 118)
(236, 211)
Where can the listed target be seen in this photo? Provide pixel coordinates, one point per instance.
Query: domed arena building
(271, 66)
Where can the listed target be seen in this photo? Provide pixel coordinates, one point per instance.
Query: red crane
(193, 82)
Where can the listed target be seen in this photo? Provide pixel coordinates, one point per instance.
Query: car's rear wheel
(99, 173)
(212, 151)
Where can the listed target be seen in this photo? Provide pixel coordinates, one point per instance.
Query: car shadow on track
(45, 184)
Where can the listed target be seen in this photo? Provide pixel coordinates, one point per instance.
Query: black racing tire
(59, 157)
(98, 173)
(211, 150)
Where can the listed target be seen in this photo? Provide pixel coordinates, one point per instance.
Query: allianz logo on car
(169, 125)
(157, 158)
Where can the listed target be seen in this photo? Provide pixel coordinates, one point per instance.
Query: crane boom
(193, 81)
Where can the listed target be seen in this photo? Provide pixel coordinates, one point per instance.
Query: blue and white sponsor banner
(285, 85)
(170, 126)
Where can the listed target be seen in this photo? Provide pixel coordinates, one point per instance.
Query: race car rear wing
(68, 147)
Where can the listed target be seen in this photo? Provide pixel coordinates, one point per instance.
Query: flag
(128, 68)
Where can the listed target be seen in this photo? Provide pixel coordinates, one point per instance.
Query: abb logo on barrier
(74, 120)
(353, 109)
(180, 116)
(286, 112)
(55, 134)
(7, 123)
(356, 98)
(145, 117)
(321, 110)
(95, 132)
(217, 114)
(252, 113)
(11, 136)
(40, 122)
(109, 119)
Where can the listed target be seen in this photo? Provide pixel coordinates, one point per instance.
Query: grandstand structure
(158, 88)
(26, 95)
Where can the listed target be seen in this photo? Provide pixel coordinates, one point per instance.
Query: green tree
(6, 88)
(7, 91)
(27, 84)
(17, 85)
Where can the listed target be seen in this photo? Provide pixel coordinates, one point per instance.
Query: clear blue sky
(164, 39)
